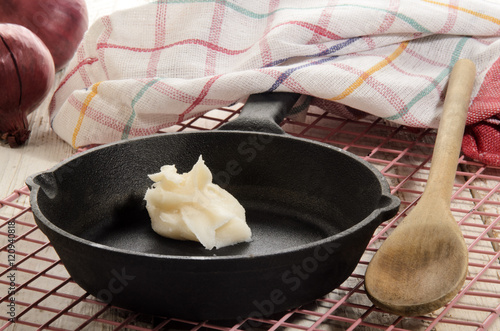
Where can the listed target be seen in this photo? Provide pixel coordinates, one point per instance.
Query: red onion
(26, 77)
(60, 24)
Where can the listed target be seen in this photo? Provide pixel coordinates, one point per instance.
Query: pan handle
(263, 112)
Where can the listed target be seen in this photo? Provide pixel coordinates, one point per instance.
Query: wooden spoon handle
(450, 131)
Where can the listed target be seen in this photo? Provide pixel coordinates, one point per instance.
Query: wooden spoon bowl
(409, 276)
(423, 264)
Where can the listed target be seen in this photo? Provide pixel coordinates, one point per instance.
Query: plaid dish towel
(143, 69)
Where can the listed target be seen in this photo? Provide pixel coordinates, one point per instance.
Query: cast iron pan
(312, 209)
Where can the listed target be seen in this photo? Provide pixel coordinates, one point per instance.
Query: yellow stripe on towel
(468, 11)
(86, 103)
(370, 71)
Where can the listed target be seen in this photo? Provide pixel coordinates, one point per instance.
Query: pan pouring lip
(312, 209)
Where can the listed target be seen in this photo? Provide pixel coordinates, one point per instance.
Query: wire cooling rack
(45, 297)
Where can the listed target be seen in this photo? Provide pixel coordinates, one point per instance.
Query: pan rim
(384, 189)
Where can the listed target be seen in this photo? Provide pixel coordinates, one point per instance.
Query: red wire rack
(47, 298)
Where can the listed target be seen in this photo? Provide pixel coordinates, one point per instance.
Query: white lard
(190, 207)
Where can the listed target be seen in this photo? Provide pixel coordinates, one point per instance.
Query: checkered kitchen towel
(150, 67)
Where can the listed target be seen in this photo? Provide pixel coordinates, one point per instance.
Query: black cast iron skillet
(312, 209)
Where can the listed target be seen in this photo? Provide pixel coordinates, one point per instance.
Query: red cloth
(482, 134)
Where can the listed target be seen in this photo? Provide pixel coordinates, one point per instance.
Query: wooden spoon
(422, 265)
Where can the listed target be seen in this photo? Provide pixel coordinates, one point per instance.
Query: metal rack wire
(45, 297)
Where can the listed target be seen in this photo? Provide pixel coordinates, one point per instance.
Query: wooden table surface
(44, 149)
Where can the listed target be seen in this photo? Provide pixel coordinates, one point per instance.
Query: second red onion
(26, 77)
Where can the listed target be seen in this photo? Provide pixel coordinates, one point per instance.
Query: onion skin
(60, 24)
(26, 77)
